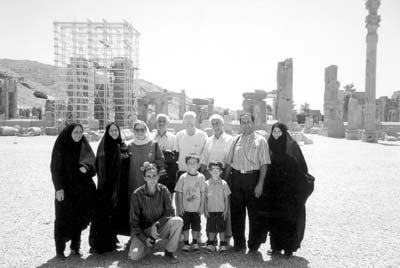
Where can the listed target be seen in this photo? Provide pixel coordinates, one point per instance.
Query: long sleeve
(159, 156)
(56, 168)
(134, 218)
(168, 210)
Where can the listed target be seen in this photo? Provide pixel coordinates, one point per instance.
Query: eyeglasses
(139, 130)
(162, 121)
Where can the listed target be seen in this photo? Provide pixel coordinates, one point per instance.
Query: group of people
(219, 176)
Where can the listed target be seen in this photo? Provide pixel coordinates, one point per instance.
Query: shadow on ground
(199, 259)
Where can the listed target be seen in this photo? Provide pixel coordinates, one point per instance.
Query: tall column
(370, 133)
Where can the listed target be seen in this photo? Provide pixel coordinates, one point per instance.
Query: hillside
(33, 75)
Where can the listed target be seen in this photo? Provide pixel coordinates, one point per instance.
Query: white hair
(189, 114)
(217, 117)
(163, 116)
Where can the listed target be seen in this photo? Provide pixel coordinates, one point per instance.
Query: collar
(158, 134)
(222, 135)
(250, 136)
(147, 192)
(219, 181)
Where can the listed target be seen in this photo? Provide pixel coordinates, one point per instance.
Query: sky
(222, 48)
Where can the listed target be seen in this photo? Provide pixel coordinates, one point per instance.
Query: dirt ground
(353, 216)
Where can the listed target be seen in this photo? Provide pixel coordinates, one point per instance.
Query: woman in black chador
(72, 169)
(103, 232)
(284, 194)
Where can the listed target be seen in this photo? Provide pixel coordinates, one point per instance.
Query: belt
(255, 171)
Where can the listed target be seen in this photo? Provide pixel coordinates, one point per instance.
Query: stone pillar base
(369, 136)
(353, 134)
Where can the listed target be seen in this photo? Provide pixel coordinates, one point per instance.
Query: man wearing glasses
(166, 141)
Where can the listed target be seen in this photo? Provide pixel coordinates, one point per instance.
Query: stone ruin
(333, 114)
(254, 104)
(284, 102)
(8, 98)
(203, 108)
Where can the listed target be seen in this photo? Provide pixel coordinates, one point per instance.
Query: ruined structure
(97, 64)
(8, 97)
(388, 109)
(203, 108)
(284, 100)
(354, 119)
(255, 104)
(370, 133)
(333, 119)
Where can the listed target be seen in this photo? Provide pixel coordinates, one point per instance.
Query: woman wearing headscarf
(142, 149)
(103, 233)
(283, 192)
(72, 168)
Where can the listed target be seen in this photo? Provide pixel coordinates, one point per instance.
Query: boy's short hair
(192, 156)
(148, 166)
(215, 164)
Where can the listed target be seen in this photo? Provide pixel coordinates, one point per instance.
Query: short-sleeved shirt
(191, 187)
(166, 141)
(216, 192)
(249, 152)
(186, 144)
(216, 149)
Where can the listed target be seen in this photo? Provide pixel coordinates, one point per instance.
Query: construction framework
(98, 64)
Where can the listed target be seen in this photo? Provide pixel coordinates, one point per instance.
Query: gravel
(353, 216)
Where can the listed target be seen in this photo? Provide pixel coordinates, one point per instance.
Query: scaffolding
(98, 64)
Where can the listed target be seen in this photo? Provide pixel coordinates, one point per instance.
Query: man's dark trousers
(242, 188)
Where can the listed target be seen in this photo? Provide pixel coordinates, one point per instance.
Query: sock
(194, 241)
(186, 242)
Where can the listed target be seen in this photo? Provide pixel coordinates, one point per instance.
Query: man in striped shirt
(245, 171)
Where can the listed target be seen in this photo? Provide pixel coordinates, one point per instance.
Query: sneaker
(186, 248)
(195, 246)
(288, 253)
(273, 252)
(210, 248)
(75, 252)
(170, 257)
(223, 248)
(60, 256)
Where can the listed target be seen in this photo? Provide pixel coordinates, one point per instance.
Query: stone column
(370, 133)
(284, 91)
(182, 103)
(333, 119)
(354, 120)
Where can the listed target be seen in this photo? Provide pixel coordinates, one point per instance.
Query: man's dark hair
(246, 114)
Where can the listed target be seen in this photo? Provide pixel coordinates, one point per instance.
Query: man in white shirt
(189, 141)
(217, 146)
(217, 149)
(166, 141)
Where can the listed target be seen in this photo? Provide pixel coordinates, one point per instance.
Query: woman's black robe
(73, 214)
(282, 204)
(108, 219)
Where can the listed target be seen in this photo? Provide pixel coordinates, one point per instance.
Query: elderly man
(217, 149)
(217, 146)
(189, 141)
(246, 168)
(166, 141)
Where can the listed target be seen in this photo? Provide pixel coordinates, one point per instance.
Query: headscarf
(278, 146)
(147, 133)
(110, 146)
(65, 143)
(286, 145)
(66, 150)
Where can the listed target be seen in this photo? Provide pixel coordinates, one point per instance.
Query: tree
(349, 91)
(305, 109)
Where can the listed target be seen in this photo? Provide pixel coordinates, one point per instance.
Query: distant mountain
(32, 70)
(33, 75)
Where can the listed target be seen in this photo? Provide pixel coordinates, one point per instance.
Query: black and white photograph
(204, 134)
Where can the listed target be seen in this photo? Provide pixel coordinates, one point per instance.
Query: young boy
(190, 200)
(216, 207)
